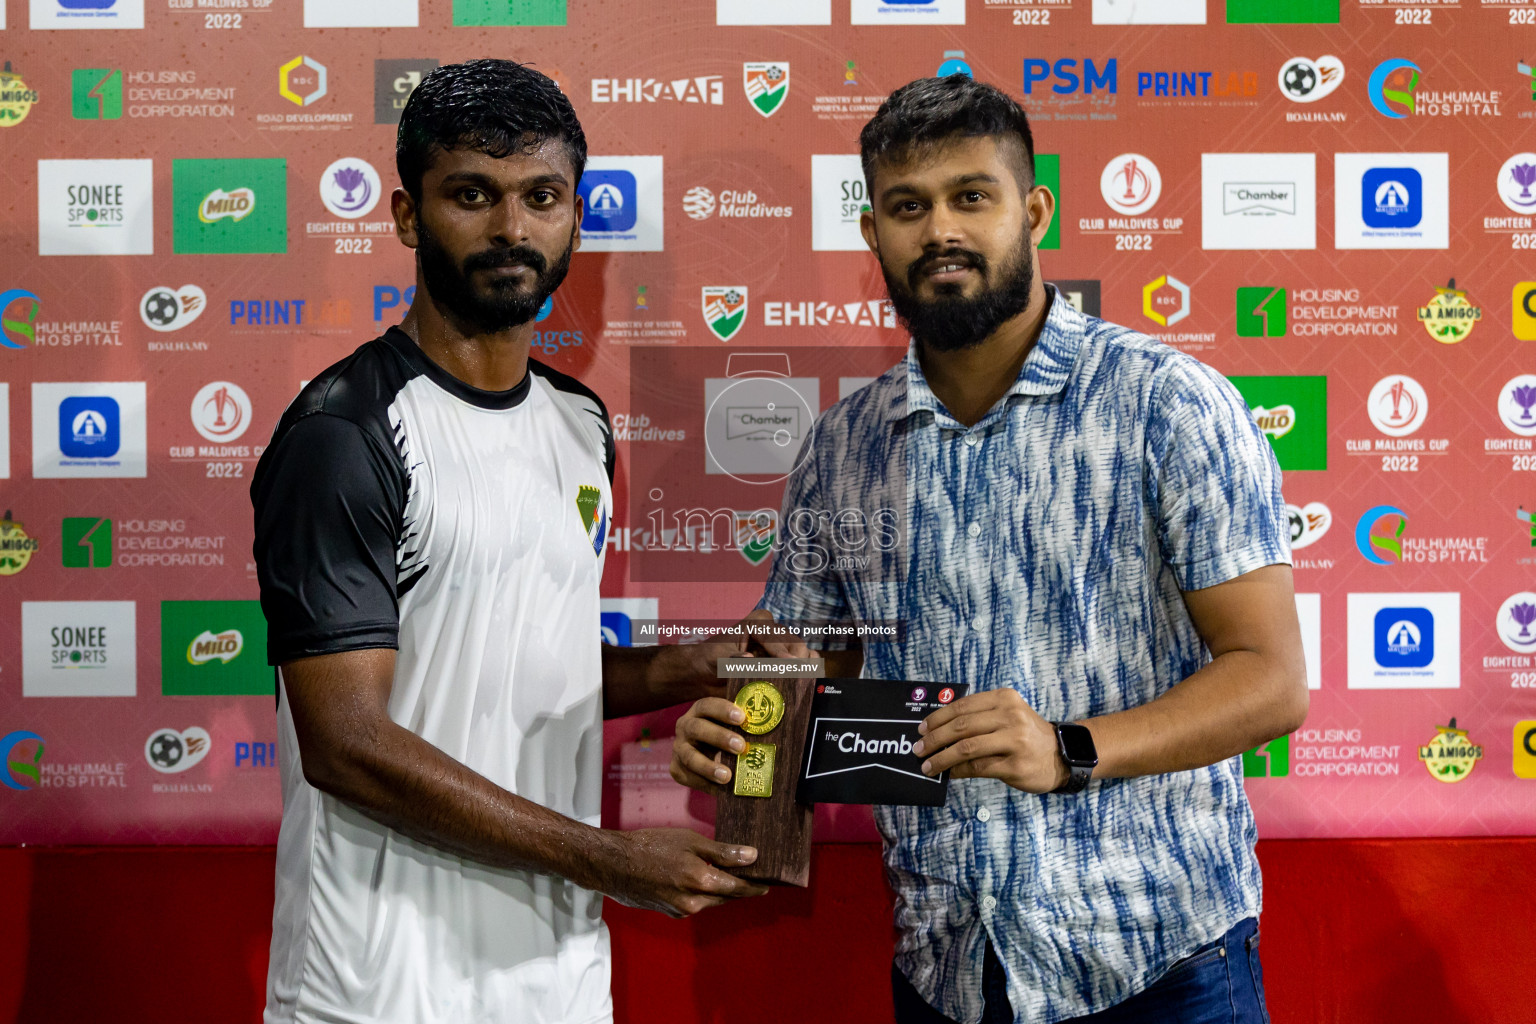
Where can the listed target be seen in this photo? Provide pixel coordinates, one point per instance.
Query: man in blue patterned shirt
(1093, 538)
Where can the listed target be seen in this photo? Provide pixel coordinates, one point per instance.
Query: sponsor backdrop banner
(1333, 202)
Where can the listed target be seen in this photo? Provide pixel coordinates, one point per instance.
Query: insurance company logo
(21, 762)
(1305, 80)
(1064, 77)
(755, 533)
(1392, 87)
(622, 204)
(1382, 546)
(766, 85)
(1308, 523)
(86, 542)
(1517, 398)
(350, 188)
(211, 648)
(86, 14)
(611, 200)
(90, 426)
(230, 206)
(1517, 182)
(1261, 312)
(1404, 637)
(1404, 641)
(95, 208)
(16, 98)
(18, 317)
(88, 429)
(479, 13)
(1450, 316)
(1268, 760)
(393, 82)
(96, 94)
(1391, 197)
(221, 411)
(302, 81)
(172, 751)
(1451, 755)
(1149, 12)
(725, 309)
(1391, 200)
(1397, 405)
(1515, 617)
(163, 308)
(708, 90)
(16, 546)
(1130, 183)
(1165, 300)
(1282, 12)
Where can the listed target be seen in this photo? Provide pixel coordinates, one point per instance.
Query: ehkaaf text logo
(20, 760)
(766, 85)
(16, 547)
(1450, 315)
(1450, 756)
(703, 89)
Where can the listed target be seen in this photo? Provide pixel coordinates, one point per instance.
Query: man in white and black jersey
(430, 524)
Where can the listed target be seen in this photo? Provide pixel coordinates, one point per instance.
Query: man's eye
(974, 197)
(471, 195)
(543, 197)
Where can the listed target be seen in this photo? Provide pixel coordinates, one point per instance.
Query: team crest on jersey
(767, 85)
(755, 533)
(725, 309)
(594, 517)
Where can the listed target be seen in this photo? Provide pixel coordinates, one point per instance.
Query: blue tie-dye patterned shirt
(1046, 549)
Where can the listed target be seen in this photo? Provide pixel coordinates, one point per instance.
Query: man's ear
(867, 229)
(403, 208)
(1041, 209)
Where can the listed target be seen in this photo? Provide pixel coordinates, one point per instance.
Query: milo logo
(219, 205)
(207, 646)
(1276, 422)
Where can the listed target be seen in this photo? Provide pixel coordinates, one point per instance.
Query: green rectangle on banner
(87, 542)
(1048, 173)
(508, 12)
(229, 206)
(96, 94)
(1293, 413)
(1282, 12)
(214, 648)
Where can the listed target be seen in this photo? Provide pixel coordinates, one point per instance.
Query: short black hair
(497, 107)
(930, 112)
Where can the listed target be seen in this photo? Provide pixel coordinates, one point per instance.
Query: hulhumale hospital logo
(18, 765)
(1392, 88)
(1377, 548)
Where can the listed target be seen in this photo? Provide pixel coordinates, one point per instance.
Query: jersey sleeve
(1215, 480)
(329, 505)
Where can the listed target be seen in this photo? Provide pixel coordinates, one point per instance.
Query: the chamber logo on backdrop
(21, 759)
(622, 198)
(1258, 200)
(1282, 12)
(86, 542)
(351, 14)
(16, 98)
(1391, 200)
(708, 90)
(229, 206)
(773, 12)
(766, 85)
(1517, 183)
(1292, 412)
(907, 12)
(1149, 12)
(95, 208)
(1404, 641)
(76, 14)
(18, 318)
(88, 429)
(487, 13)
(213, 648)
(1305, 80)
(1450, 315)
(725, 309)
(393, 82)
(78, 649)
(164, 308)
(16, 546)
(1451, 755)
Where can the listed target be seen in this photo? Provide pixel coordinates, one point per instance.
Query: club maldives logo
(1392, 87)
(725, 309)
(1304, 80)
(1450, 756)
(755, 533)
(1516, 616)
(1130, 184)
(16, 547)
(170, 309)
(594, 515)
(15, 98)
(13, 329)
(766, 84)
(1450, 316)
(1516, 179)
(350, 188)
(1377, 548)
(18, 764)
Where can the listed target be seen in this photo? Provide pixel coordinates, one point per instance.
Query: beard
(504, 303)
(952, 321)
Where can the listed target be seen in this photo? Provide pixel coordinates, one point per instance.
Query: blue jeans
(1219, 983)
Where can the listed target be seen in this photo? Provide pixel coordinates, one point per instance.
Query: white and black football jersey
(399, 507)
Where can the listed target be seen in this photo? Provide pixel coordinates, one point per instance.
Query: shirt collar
(1046, 369)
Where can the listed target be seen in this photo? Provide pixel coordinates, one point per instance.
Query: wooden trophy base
(778, 826)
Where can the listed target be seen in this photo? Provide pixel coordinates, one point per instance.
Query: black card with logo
(859, 746)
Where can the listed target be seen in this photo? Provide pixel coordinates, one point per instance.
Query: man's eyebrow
(974, 177)
(486, 181)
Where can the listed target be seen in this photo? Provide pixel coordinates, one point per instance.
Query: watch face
(1077, 744)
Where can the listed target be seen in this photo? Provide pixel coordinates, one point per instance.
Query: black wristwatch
(1075, 744)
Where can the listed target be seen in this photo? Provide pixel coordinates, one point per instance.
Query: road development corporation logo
(1383, 547)
(172, 752)
(18, 317)
(350, 188)
(1397, 405)
(95, 208)
(303, 81)
(1165, 300)
(1450, 756)
(1392, 88)
(1130, 184)
(16, 98)
(16, 547)
(1516, 615)
(1308, 523)
(1270, 760)
(170, 309)
(21, 762)
(1450, 315)
(1404, 641)
(725, 309)
(622, 204)
(221, 411)
(78, 649)
(1517, 399)
(766, 85)
(213, 648)
(229, 206)
(1303, 80)
(773, 12)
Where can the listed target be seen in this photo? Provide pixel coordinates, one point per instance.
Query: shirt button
(976, 624)
(989, 903)
(983, 814)
(974, 530)
(970, 440)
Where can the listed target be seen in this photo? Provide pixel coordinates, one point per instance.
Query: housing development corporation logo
(21, 759)
(1268, 760)
(86, 542)
(766, 85)
(1261, 312)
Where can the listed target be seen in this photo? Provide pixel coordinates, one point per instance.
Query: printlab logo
(230, 206)
(18, 330)
(16, 99)
(170, 309)
(1270, 760)
(87, 542)
(1450, 756)
(350, 188)
(1397, 405)
(766, 85)
(96, 94)
(393, 83)
(206, 649)
(1130, 184)
(1392, 88)
(16, 547)
(1261, 312)
(303, 81)
(1516, 179)
(173, 752)
(221, 411)
(1516, 615)
(1516, 399)
(725, 309)
(1304, 80)
(1381, 548)
(20, 764)
(1450, 315)
(1165, 300)
(1308, 523)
